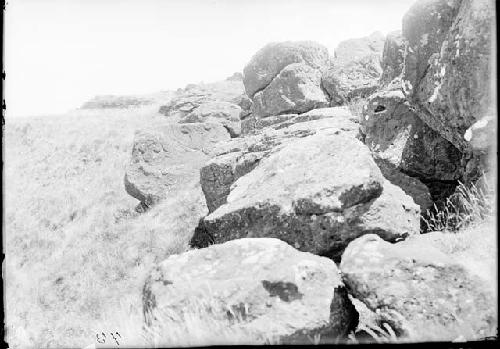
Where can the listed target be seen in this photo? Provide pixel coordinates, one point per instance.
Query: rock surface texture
(239, 156)
(168, 156)
(395, 133)
(447, 72)
(285, 77)
(228, 114)
(392, 58)
(422, 293)
(316, 192)
(187, 100)
(273, 288)
(355, 71)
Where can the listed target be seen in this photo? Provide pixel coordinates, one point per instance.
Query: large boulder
(355, 70)
(270, 287)
(285, 78)
(166, 157)
(270, 60)
(317, 193)
(239, 156)
(396, 134)
(448, 63)
(296, 89)
(392, 57)
(422, 293)
(228, 114)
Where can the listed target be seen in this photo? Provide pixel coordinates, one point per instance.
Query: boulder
(296, 89)
(239, 156)
(228, 114)
(422, 293)
(269, 61)
(396, 134)
(166, 157)
(192, 96)
(270, 287)
(355, 70)
(317, 193)
(448, 64)
(392, 57)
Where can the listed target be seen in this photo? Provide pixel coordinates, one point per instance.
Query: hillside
(315, 198)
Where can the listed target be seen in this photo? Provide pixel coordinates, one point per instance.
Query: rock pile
(295, 184)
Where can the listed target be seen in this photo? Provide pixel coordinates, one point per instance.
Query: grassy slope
(77, 254)
(74, 249)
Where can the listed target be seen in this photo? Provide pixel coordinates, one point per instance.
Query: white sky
(59, 53)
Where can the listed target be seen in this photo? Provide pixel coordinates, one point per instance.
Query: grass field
(75, 249)
(77, 253)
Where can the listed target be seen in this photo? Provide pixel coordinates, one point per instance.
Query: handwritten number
(103, 340)
(112, 335)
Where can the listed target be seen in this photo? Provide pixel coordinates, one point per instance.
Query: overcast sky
(59, 53)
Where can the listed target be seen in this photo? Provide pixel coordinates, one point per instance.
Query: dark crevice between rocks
(379, 109)
(343, 320)
(231, 132)
(201, 237)
(325, 92)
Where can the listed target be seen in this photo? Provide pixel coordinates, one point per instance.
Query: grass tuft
(467, 206)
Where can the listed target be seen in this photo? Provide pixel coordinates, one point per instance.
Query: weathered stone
(412, 187)
(245, 103)
(265, 283)
(448, 64)
(392, 57)
(269, 61)
(239, 156)
(395, 133)
(296, 89)
(188, 99)
(355, 70)
(167, 156)
(422, 293)
(228, 114)
(316, 193)
(253, 125)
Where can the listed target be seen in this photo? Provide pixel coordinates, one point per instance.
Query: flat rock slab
(422, 293)
(168, 156)
(252, 125)
(269, 286)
